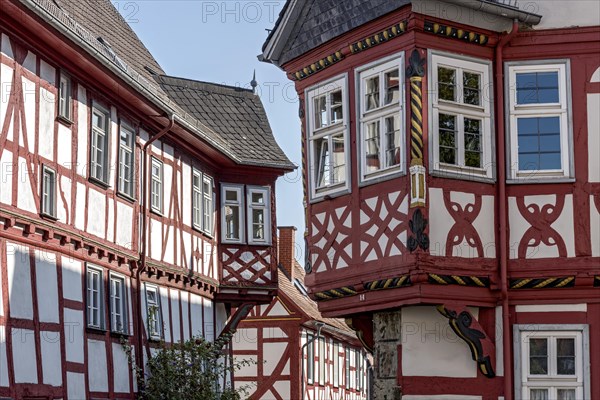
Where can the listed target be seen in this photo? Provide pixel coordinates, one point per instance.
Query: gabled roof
(304, 25)
(236, 114)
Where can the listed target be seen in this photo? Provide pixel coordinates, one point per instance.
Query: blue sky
(218, 41)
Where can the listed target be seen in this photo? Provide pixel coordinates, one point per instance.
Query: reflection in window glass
(537, 87)
(447, 83)
(538, 356)
(447, 138)
(539, 143)
(472, 142)
(320, 112)
(392, 86)
(471, 88)
(337, 114)
(372, 147)
(372, 93)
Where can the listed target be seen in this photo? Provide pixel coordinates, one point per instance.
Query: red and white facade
(78, 272)
(470, 276)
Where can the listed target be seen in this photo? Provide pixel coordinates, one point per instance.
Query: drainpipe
(142, 263)
(319, 326)
(501, 143)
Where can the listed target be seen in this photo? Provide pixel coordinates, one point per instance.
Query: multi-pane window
(48, 192)
(552, 365)
(336, 365)
(322, 361)
(310, 357)
(64, 97)
(327, 134)
(461, 108)
(99, 146)
(118, 304)
(156, 186)
(202, 202)
(95, 298)
(347, 374)
(539, 113)
(381, 121)
(358, 370)
(258, 215)
(232, 213)
(153, 312)
(126, 160)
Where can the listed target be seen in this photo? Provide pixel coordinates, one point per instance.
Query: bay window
(327, 123)
(246, 221)
(539, 110)
(381, 118)
(461, 116)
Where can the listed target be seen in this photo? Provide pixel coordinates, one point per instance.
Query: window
(156, 188)
(539, 109)
(258, 215)
(64, 97)
(328, 138)
(99, 148)
(381, 119)
(551, 362)
(347, 375)
(336, 365)
(310, 357)
(48, 192)
(461, 106)
(322, 361)
(118, 305)
(358, 370)
(232, 219)
(202, 199)
(95, 298)
(126, 160)
(154, 320)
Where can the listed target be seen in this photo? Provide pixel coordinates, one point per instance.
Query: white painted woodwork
(537, 308)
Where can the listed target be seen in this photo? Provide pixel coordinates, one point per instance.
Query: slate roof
(236, 114)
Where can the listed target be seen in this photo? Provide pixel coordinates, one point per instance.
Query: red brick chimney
(286, 249)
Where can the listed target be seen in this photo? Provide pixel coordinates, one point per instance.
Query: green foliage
(191, 370)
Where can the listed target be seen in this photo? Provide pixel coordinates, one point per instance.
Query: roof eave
(278, 39)
(502, 10)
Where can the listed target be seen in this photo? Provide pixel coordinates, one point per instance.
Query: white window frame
(121, 310)
(125, 149)
(336, 365)
(562, 109)
(322, 360)
(100, 136)
(48, 189)
(380, 67)
(96, 273)
(524, 381)
(239, 189)
(65, 97)
(483, 112)
(156, 184)
(197, 199)
(310, 359)
(152, 334)
(265, 207)
(347, 367)
(342, 127)
(208, 207)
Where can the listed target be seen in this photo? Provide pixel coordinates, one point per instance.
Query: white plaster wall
(247, 370)
(97, 367)
(3, 360)
(71, 277)
(440, 223)
(278, 309)
(29, 98)
(47, 72)
(19, 281)
(220, 317)
(96, 210)
(46, 138)
(185, 314)
(187, 195)
(595, 230)
(6, 172)
(75, 385)
(63, 207)
(246, 339)
(155, 239)
(175, 315)
(274, 333)
(273, 353)
(25, 198)
(564, 14)
(24, 356)
(283, 388)
(196, 311)
(51, 358)
(47, 286)
(208, 319)
(164, 301)
(431, 348)
(485, 226)
(110, 228)
(186, 251)
(593, 105)
(121, 369)
(82, 132)
(80, 205)
(64, 144)
(125, 225)
(6, 76)
(74, 331)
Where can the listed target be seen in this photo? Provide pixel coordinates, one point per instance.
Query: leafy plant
(190, 370)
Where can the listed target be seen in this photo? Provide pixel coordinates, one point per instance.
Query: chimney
(286, 249)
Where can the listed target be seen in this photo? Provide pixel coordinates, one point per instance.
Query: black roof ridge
(225, 89)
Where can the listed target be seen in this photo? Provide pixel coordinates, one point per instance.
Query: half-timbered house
(134, 206)
(452, 183)
(298, 354)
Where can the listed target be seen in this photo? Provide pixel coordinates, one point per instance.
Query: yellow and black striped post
(415, 73)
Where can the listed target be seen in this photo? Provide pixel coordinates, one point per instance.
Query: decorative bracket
(468, 329)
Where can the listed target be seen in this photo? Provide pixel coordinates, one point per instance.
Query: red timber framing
(47, 349)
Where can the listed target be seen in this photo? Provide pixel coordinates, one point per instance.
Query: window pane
(392, 86)
(337, 114)
(322, 157)
(537, 87)
(447, 83)
(392, 140)
(539, 143)
(232, 222)
(447, 137)
(258, 224)
(565, 394)
(231, 195)
(471, 88)
(538, 356)
(472, 142)
(372, 93)
(320, 112)
(538, 394)
(339, 159)
(258, 198)
(565, 352)
(373, 162)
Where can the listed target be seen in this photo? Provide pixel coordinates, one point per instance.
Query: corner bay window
(327, 136)
(256, 227)
(461, 108)
(539, 113)
(381, 118)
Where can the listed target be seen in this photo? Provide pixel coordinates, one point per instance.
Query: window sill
(462, 175)
(539, 179)
(48, 217)
(386, 176)
(123, 335)
(263, 244)
(330, 195)
(98, 182)
(65, 121)
(156, 212)
(96, 331)
(127, 197)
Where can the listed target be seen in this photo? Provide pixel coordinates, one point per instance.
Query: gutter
(503, 231)
(500, 9)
